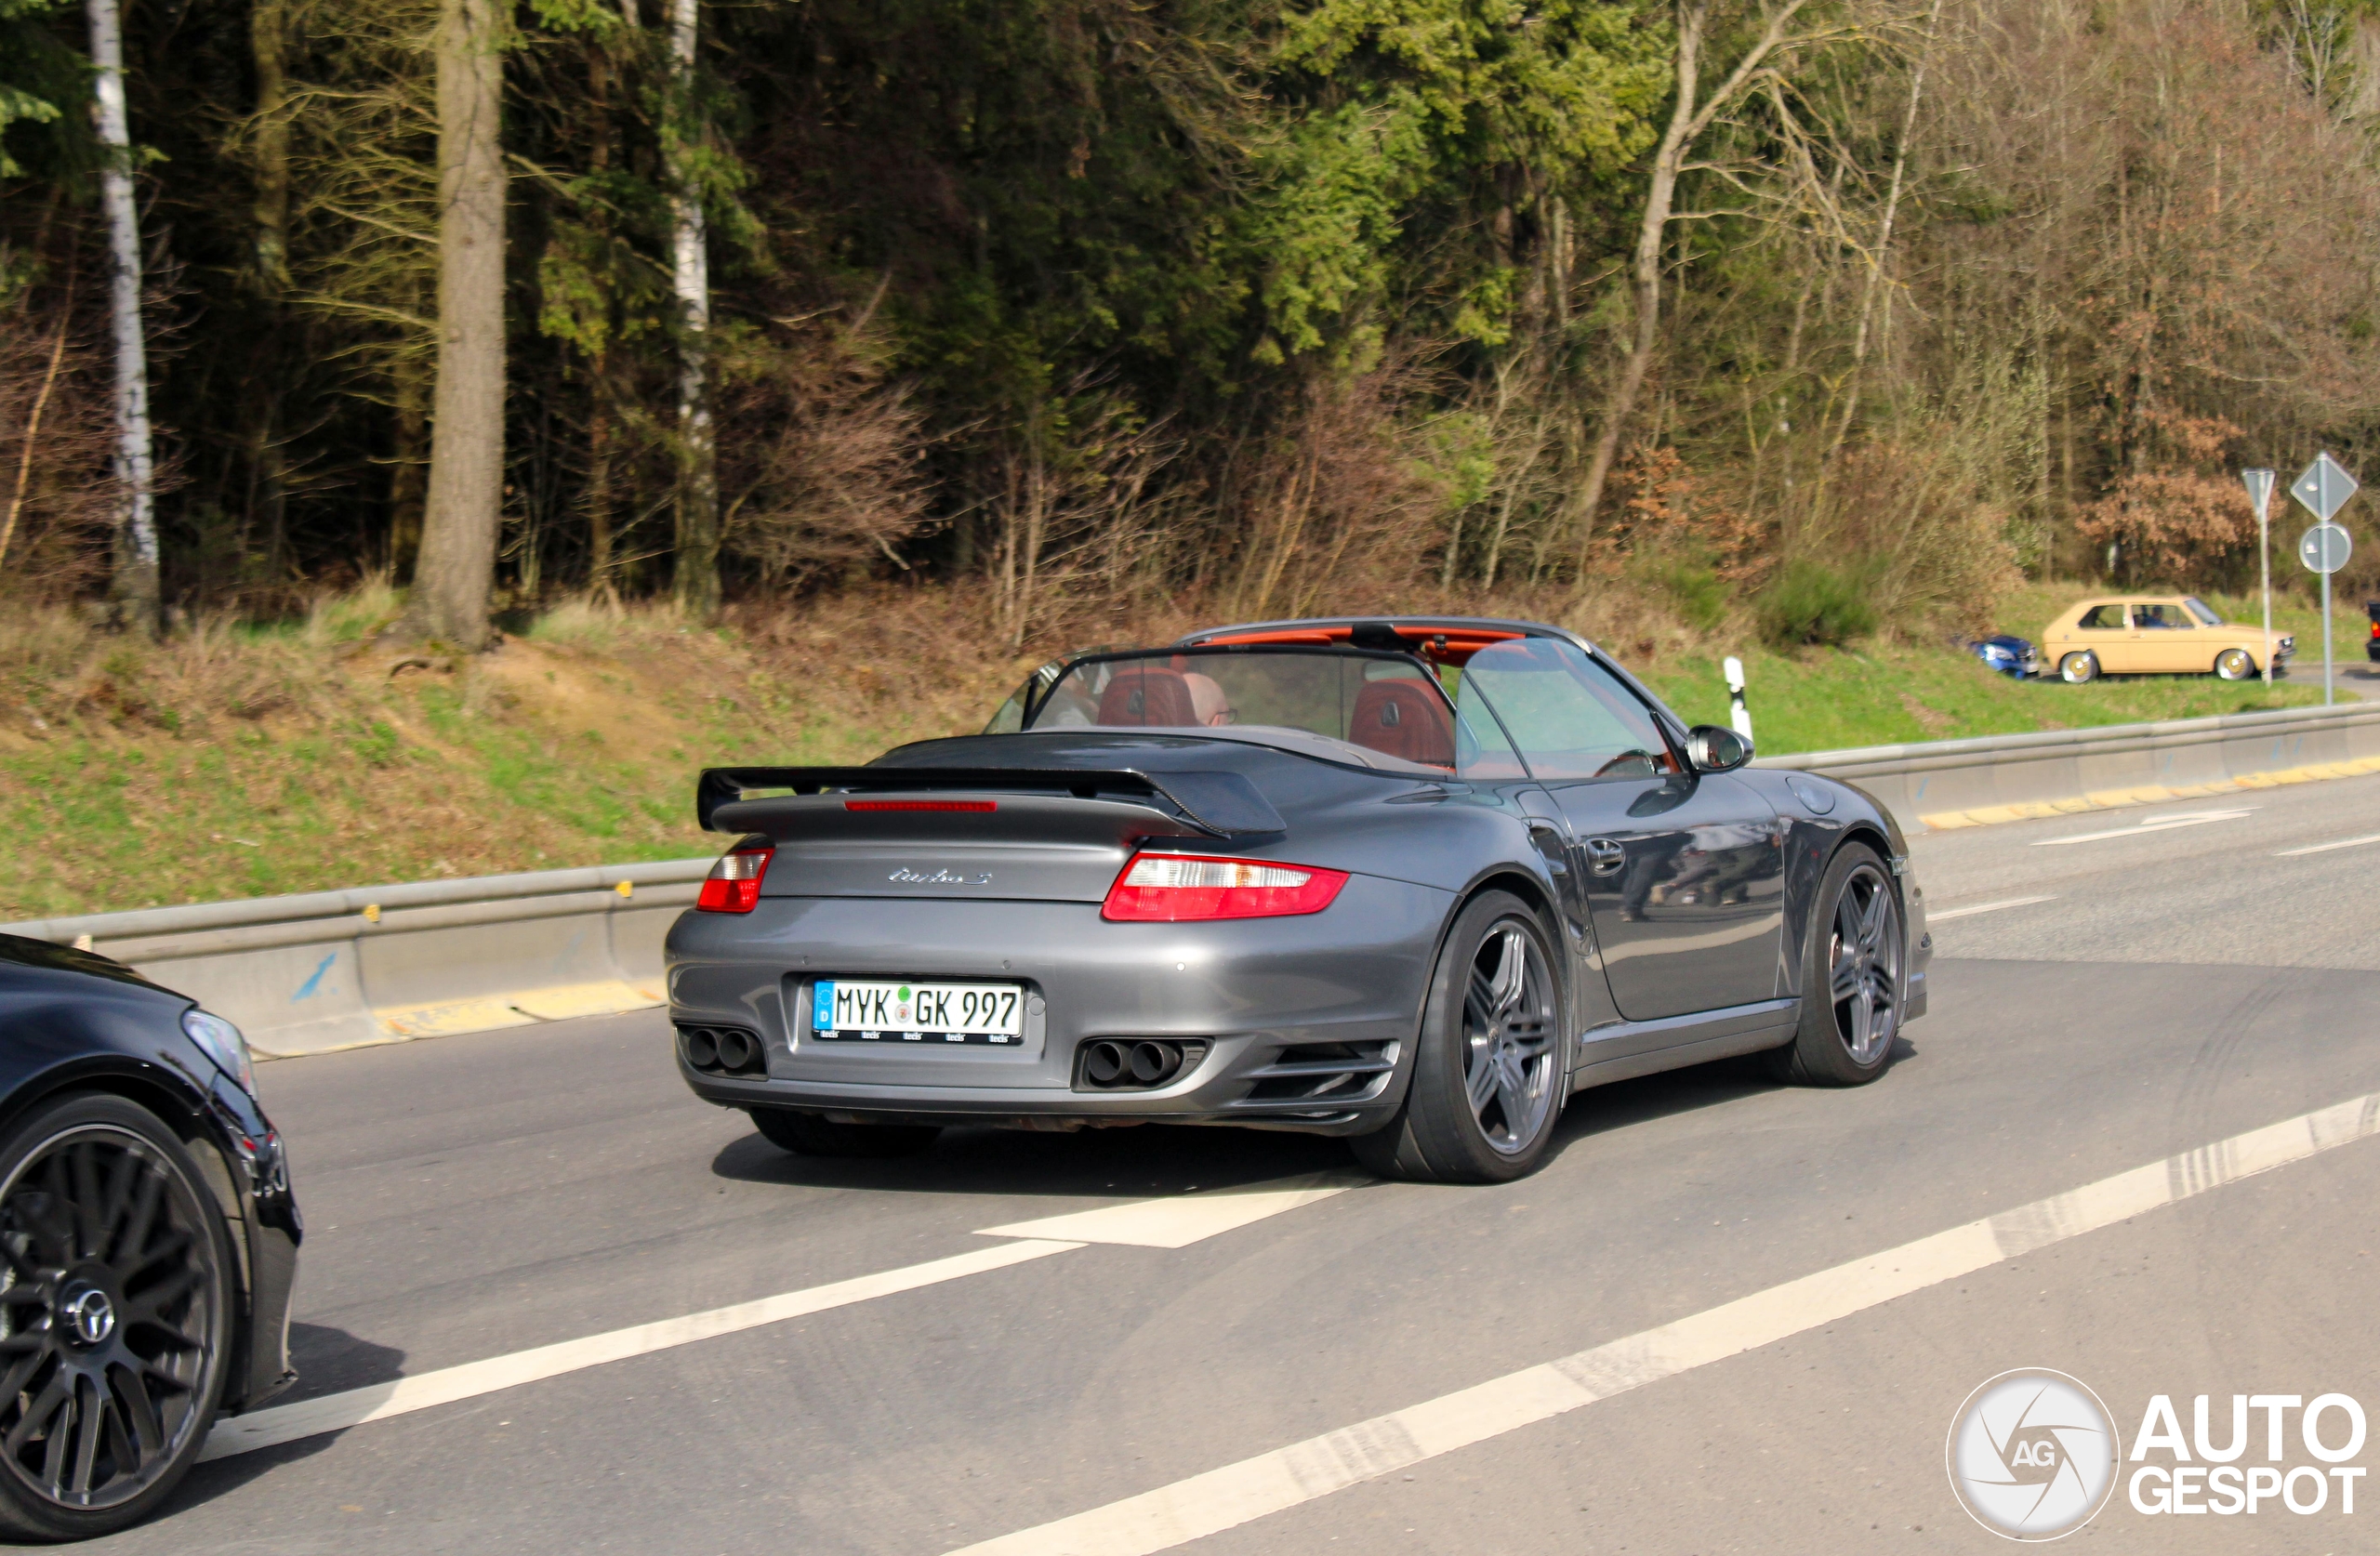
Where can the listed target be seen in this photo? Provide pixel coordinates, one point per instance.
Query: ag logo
(2032, 1454)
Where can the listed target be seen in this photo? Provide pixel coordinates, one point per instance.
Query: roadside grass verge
(241, 760)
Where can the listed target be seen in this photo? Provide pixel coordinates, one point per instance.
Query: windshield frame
(1043, 684)
(1067, 666)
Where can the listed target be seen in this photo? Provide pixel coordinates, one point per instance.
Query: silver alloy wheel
(1509, 1053)
(2234, 665)
(2077, 669)
(1863, 956)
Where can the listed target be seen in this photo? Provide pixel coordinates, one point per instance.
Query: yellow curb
(2114, 800)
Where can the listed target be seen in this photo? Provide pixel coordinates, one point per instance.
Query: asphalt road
(2186, 981)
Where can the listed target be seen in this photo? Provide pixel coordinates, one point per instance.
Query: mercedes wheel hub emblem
(90, 1317)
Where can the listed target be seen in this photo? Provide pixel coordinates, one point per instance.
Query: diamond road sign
(2324, 487)
(2324, 548)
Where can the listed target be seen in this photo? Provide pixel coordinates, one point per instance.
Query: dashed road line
(1186, 1218)
(1172, 1223)
(2147, 824)
(288, 1423)
(1931, 917)
(1287, 1477)
(2325, 847)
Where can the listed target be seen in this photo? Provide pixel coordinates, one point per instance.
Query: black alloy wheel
(116, 1316)
(1852, 979)
(1489, 1073)
(806, 1134)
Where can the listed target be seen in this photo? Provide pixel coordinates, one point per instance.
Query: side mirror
(1713, 749)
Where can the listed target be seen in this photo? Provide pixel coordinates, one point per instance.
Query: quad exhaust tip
(723, 1051)
(1135, 1063)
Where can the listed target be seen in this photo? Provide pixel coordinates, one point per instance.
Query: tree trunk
(135, 587)
(695, 580)
(268, 43)
(456, 572)
(1651, 232)
(1885, 240)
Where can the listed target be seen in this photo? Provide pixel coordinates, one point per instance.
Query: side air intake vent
(1324, 1073)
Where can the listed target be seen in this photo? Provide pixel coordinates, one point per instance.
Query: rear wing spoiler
(1222, 804)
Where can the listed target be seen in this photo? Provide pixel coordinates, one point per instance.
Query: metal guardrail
(331, 969)
(1966, 783)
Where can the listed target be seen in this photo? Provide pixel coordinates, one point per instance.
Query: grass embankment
(245, 760)
(1885, 694)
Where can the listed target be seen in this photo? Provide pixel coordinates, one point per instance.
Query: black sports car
(148, 1240)
(1409, 881)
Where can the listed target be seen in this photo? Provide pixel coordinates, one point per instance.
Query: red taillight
(971, 805)
(734, 884)
(1167, 888)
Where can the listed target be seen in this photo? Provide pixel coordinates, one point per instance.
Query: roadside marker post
(2323, 488)
(1737, 715)
(2259, 486)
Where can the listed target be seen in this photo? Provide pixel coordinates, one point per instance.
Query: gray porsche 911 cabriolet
(1411, 881)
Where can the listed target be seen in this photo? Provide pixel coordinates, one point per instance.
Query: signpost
(2259, 486)
(2324, 489)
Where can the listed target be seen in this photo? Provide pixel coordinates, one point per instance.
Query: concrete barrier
(1945, 784)
(335, 970)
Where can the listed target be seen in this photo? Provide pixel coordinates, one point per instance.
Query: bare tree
(457, 568)
(1691, 114)
(696, 581)
(136, 586)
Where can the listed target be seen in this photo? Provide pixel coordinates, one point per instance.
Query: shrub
(1810, 603)
(1693, 586)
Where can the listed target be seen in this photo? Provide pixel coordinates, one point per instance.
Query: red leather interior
(1402, 719)
(1147, 694)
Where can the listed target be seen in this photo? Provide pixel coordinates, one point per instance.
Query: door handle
(1604, 855)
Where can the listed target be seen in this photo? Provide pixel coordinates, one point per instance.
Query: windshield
(1385, 704)
(2200, 609)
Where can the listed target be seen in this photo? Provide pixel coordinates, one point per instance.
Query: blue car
(2009, 656)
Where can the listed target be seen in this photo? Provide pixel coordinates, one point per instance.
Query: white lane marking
(2325, 847)
(2146, 824)
(1186, 1218)
(1933, 918)
(287, 1423)
(1159, 1224)
(1270, 1482)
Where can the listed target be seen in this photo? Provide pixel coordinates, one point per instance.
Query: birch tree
(457, 573)
(696, 581)
(136, 586)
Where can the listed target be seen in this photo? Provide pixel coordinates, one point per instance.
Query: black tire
(806, 1134)
(2077, 669)
(116, 1307)
(1854, 971)
(1497, 1032)
(2234, 665)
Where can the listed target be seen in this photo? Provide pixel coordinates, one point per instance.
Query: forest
(1836, 316)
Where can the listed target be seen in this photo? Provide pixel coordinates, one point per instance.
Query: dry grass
(239, 760)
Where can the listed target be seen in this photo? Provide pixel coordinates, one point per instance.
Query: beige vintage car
(2155, 635)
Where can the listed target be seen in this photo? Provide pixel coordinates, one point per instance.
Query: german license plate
(847, 1010)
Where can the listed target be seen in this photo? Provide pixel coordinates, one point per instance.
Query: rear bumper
(1342, 987)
